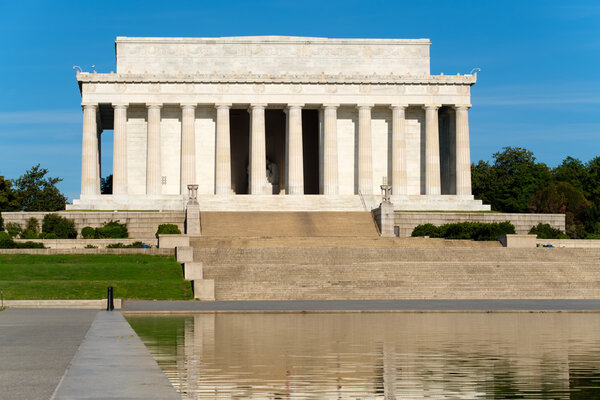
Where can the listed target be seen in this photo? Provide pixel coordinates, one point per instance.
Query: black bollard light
(110, 304)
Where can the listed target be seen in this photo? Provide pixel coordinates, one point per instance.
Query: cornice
(323, 79)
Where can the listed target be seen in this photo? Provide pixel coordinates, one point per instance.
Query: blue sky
(539, 85)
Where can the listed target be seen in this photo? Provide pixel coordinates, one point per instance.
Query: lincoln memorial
(277, 123)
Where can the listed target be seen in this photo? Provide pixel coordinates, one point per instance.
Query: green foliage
(167, 229)
(425, 230)
(90, 246)
(134, 245)
(13, 229)
(32, 229)
(36, 192)
(566, 199)
(62, 228)
(106, 185)
(88, 232)
(545, 231)
(6, 241)
(508, 183)
(111, 230)
(1, 223)
(8, 200)
(478, 231)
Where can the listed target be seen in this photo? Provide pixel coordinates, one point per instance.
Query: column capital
(399, 106)
(364, 106)
(461, 106)
(89, 105)
(120, 105)
(188, 106)
(154, 105)
(431, 106)
(295, 105)
(330, 105)
(257, 106)
(221, 106)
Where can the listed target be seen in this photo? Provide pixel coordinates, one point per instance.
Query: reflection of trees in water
(585, 382)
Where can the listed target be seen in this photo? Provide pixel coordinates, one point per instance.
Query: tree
(592, 182)
(509, 183)
(8, 200)
(36, 192)
(573, 171)
(106, 185)
(563, 198)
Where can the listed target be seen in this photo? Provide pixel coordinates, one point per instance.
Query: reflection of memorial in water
(382, 355)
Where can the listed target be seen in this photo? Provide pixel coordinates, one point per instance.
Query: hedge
(479, 231)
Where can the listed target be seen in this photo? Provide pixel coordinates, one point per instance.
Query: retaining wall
(151, 252)
(407, 221)
(140, 225)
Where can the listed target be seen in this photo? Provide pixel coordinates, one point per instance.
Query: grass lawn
(86, 276)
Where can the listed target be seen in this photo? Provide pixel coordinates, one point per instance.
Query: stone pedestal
(386, 219)
(192, 212)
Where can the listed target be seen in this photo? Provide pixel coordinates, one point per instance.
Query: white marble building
(277, 123)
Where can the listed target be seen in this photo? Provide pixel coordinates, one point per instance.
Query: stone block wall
(407, 221)
(141, 225)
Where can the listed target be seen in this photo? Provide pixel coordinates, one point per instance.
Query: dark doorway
(239, 122)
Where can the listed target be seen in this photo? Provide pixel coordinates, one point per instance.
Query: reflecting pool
(378, 355)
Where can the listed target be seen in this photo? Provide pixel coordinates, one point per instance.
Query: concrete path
(367, 305)
(113, 363)
(36, 347)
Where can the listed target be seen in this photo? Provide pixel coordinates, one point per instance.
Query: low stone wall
(82, 243)
(151, 252)
(140, 225)
(570, 243)
(407, 221)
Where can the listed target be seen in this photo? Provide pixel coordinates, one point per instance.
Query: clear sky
(539, 85)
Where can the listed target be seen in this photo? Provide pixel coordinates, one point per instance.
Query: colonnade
(90, 171)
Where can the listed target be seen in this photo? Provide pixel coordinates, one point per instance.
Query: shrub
(111, 230)
(134, 245)
(1, 223)
(425, 230)
(90, 246)
(30, 245)
(13, 229)
(167, 229)
(6, 241)
(32, 229)
(545, 231)
(61, 227)
(88, 232)
(479, 231)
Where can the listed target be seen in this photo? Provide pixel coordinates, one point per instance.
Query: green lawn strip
(74, 276)
(67, 290)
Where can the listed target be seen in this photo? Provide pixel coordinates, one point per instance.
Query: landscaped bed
(86, 276)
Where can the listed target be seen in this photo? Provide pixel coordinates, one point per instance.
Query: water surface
(378, 355)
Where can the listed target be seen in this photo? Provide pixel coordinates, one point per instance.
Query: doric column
(258, 156)
(295, 167)
(432, 151)
(399, 181)
(223, 151)
(330, 149)
(463, 152)
(153, 177)
(365, 151)
(120, 150)
(188, 147)
(90, 173)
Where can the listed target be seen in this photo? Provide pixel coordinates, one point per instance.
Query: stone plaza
(277, 123)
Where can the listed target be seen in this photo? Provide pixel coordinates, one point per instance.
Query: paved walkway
(36, 346)
(113, 363)
(367, 305)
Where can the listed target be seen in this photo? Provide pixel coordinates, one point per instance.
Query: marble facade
(277, 123)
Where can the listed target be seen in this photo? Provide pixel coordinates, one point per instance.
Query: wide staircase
(293, 256)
